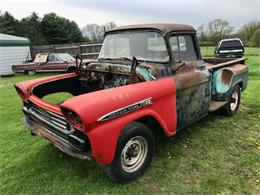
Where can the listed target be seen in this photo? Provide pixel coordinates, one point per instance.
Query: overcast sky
(193, 12)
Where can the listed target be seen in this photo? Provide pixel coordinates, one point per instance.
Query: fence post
(53, 48)
(80, 51)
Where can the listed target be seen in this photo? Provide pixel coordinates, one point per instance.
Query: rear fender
(226, 78)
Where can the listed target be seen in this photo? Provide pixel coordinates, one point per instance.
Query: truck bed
(213, 63)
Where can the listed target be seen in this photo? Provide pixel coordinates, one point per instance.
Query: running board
(214, 105)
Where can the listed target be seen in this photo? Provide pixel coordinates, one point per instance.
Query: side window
(174, 43)
(182, 43)
(51, 58)
(183, 48)
(58, 58)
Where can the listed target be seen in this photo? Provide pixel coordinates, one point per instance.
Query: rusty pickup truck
(147, 78)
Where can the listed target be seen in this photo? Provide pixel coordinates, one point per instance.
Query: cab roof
(165, 27)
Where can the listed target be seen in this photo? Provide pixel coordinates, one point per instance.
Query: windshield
(147, 46)
(65, 57)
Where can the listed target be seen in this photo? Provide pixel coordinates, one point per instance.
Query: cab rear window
(234, 43)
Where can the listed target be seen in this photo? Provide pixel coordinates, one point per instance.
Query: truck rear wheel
(134, 153)
(231, 108)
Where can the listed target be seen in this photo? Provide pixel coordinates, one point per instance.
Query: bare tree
(219, 29)
(94, 33)
(110, 25)
(201, 33)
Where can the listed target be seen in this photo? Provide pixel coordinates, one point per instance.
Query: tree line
(219, 29)
(54, 29)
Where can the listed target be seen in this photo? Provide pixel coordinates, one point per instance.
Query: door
(54, 64)
(192, 78)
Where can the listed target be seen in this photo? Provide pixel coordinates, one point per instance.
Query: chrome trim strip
(60, 125)
(62, 118)
(228, 51)
(126, 109)
(50, 116)
(46, 121)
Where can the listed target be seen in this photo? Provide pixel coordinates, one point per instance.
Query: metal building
(13, 50)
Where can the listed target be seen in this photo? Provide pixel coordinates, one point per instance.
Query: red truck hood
(92, 106)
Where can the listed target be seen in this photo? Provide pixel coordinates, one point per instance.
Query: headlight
(73, 119)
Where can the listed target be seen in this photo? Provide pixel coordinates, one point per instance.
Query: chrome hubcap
(134, 153)
(234, 101)
(31, 72)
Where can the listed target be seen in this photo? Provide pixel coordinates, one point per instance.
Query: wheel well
(71, 68)
(240, 84)
(152, 124)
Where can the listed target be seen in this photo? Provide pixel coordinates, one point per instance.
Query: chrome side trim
(126, 109)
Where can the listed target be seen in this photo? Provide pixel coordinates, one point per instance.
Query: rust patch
(190, 79)
(134, 78)
(226, 76)
(238, 69)
(189, 67)
(102, 67)
(40, 132)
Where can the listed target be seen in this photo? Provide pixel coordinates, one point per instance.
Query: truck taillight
(73, 119)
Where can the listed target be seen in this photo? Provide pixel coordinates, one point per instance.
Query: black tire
(231, 108)
(133, 137)
(71, 69)
(31, 72)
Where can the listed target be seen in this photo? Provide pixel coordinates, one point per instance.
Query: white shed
(13, 50)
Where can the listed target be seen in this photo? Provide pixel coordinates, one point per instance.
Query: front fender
(103, 135)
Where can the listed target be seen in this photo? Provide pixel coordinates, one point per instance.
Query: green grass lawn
(215, 155)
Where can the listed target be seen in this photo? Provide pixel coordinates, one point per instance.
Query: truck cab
(173, 51)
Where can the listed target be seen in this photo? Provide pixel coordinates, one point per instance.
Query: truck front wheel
(231, 108)
(134, 152)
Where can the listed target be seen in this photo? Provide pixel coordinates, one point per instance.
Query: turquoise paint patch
(218, 84)
(144, 73)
